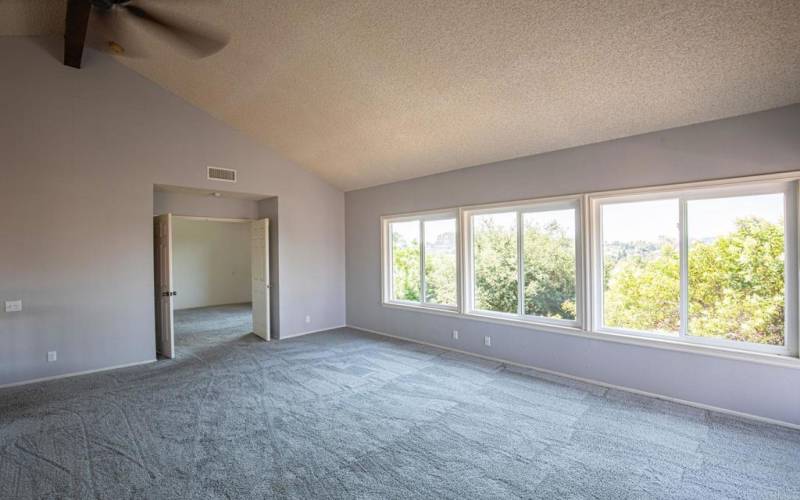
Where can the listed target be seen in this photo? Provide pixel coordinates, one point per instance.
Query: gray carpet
(344, 414)
(204, 326)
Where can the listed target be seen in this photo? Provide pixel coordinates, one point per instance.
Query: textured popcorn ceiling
(368, 92)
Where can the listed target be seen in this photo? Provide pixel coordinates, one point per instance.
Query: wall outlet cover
(487, 341)
(308, 319)
(455, 334)
(52, 356)
(13, 305)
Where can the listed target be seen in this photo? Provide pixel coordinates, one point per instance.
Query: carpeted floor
(344, 414)
(204, 326)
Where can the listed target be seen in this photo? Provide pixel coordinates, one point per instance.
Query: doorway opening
(212, 280)
(221, 268)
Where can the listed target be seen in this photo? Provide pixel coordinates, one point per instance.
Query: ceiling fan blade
(75, 31)
(198, 42)
(193, 2)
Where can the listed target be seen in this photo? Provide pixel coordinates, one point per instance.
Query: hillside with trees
(736, 281)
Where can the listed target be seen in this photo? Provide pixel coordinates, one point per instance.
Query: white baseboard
(300, 334)
(702, 406)
(75, 374)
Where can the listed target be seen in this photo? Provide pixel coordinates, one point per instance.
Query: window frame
(683, 194)
(587, 251)
(520, 209)
(387, 271)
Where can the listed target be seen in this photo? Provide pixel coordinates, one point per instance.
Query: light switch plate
(13, 306)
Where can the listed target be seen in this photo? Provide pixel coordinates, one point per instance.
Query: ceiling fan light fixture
(116, 48)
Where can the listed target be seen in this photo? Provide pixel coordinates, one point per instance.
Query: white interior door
(259, 271)
(162, 236)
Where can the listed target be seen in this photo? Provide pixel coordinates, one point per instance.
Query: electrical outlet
(455, 334)
(487, 341)
(52, 356)
(308, 319)
(13, 306)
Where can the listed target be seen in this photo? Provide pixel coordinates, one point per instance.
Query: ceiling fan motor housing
(107, 4)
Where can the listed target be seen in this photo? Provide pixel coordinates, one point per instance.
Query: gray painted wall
(268, 209)
(758, 143)
(81, 152)
(166, 202)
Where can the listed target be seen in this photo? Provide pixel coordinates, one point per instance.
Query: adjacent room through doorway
(211, 274)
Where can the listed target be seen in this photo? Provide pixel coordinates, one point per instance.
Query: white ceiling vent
(221, 174)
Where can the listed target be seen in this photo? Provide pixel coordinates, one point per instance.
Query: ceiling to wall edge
(499, 163)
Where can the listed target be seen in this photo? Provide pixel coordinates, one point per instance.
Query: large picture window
(704, 265)
(524, 262)
(423, 260)
(695, 266)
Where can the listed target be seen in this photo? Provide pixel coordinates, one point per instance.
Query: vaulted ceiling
(368, 92)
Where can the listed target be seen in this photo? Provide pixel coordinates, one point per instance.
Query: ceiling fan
(109, 19)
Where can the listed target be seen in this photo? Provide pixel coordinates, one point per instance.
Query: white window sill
(672, 344)
(430, 308)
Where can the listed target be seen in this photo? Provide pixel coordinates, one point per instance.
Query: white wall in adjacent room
(211, 263)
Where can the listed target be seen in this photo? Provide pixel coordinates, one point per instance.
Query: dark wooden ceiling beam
(75, 31)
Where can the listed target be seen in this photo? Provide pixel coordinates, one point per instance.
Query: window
(495, 261)
(440, 262)
(406, 282)
(549, 253)
(524, 262)
(706, 265)
(736, 268)
(424, 261)
(641, 266)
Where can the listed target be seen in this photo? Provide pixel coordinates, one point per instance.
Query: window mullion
(390, 261)
(683, 239)
(422, 286)
(791, 330)
(460, 262)
(596, 266)
(467, 266)
(520, 267)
